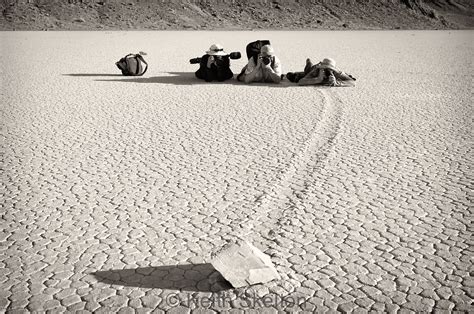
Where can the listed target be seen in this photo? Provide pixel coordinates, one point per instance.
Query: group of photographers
(264, 66)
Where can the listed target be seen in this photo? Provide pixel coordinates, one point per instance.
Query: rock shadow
(91, 74)
(189, 277)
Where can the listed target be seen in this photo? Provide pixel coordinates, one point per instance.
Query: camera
(233, 55)
(266, 60)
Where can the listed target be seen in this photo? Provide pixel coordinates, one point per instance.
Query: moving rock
(243, 264)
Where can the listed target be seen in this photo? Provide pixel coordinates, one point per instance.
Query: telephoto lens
(195, 60)
(235, 55)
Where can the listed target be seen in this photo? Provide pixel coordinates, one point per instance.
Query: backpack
(253, 49)
(132, 64)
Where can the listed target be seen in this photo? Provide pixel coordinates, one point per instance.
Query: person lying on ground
(323, 73)
(266, 69)
(214, 65)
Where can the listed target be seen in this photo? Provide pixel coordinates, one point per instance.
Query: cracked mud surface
(117, 190)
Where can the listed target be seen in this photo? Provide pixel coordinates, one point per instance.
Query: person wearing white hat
(266, 69)
(323, 73)
(214, 65)
(216, 50)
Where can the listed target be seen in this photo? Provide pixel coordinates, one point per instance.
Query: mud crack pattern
(117, 190)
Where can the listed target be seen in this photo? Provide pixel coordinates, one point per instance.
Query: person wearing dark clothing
(215, 65)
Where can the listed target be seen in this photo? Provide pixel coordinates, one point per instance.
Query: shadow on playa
(91, 74)
(178, 78)
(189, 277)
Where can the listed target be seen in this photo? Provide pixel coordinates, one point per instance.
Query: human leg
(308, 67)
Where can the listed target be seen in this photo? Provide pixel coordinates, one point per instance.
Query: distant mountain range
(235, 14)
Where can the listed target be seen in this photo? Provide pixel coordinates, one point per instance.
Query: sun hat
(216, 50)
(328, 63)
(267, 50)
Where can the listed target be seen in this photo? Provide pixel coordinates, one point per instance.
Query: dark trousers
(296, 76)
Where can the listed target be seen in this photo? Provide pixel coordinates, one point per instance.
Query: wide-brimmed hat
(267, 50)
(216, 50)
(328, 63)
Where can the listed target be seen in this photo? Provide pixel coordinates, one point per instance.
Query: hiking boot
(308, 66)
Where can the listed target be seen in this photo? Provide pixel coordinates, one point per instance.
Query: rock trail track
(115, 191)
(290, 184)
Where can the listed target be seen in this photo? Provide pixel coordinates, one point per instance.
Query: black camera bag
(132, 65)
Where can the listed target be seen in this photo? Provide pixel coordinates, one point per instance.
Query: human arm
(205, 71)
(252, 70)
(340, 78)
(343, 76)
(273, 73)
(210, 61)
(332, 81)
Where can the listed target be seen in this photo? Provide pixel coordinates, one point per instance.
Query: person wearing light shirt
(322, 73)
(267, 68)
